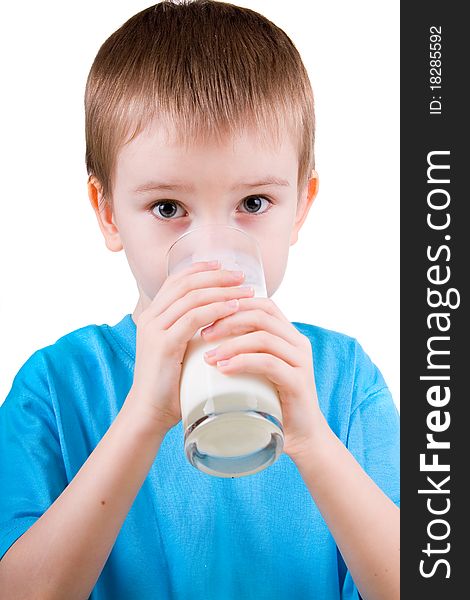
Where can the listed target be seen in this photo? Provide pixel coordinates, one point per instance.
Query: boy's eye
(167, 209)
(253, 204)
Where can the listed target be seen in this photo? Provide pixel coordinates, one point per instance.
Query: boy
(197, 113)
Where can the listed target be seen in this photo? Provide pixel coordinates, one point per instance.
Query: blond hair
(204, 69)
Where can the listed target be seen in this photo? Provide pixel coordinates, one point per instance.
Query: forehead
(159, 147)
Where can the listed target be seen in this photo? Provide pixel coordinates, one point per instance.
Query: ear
(104, 216)
(305, 202)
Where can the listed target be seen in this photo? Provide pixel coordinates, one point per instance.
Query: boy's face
(220, 184)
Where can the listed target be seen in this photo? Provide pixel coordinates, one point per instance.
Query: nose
(214, 210)
(210, 220)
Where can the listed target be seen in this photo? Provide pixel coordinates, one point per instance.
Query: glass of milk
(232, 423)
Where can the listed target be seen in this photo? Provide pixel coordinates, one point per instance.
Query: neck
(142, 303)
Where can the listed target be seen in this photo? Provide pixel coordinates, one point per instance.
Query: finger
(257, 341)
(245, 321)
(267, 305)
(175, 288)
(170, 281)
(275, 369)
(200, 297)
(187, 325)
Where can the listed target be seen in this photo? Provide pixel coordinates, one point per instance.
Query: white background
(56, 273)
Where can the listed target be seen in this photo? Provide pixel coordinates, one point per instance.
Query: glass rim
(199, 227)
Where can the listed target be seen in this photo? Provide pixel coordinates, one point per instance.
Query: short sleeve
(374, 427)
(373, 439)
(32, 472)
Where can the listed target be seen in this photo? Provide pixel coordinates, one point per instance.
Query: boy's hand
(187, 301)
(268, 344)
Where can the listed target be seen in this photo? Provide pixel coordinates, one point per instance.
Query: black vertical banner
(435, 269)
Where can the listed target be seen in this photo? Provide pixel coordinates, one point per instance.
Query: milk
(205, 390)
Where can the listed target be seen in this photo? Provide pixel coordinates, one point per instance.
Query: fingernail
(238, 273)
(213, 263)
(232, 303)
(210, 353)
(222, 363)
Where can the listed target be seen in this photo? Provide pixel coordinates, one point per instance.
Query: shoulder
(342, 366)
(326, 339)
(329, 347)
(84, 340)
(79, 349)
(333, 345)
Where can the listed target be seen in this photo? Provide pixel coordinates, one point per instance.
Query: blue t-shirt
(189, 534)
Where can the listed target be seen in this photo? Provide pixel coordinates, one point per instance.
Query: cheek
(149, 270)
(147, 262)
(275, 263)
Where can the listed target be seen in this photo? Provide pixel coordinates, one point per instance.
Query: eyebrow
(153, 186)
